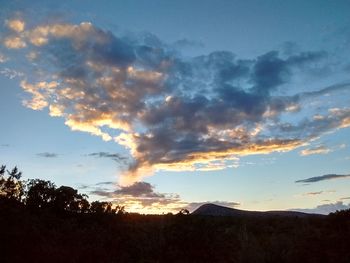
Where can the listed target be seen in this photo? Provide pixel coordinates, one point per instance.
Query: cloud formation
(325, 209)
(142, 197)
(171, 112)
(322, 178)
(138, 197)
(47, 155)
(314, 193)
(11, 73)
(114, 156)
(319, 193)
(3, 58)
(316, 150)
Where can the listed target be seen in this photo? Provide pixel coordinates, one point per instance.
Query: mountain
(217, 210)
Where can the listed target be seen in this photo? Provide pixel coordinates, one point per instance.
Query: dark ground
(48, 236)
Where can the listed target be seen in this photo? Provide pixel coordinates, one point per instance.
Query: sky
(163, 105)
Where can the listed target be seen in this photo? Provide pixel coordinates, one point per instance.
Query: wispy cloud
(106, 183)
(47, 155)
(319, 193)
(314, 193)
(11, 73)
(325, 208)
(322, 178)
(3, 58)
(171, 112)
(316, 150)
(114, 156)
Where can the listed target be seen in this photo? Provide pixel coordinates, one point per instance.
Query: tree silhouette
(11, 187)
(101, 207)
(40, 194)
(183, 212)
(67, 199)
(72, 231)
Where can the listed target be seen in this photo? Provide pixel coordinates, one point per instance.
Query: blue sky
(160, 105)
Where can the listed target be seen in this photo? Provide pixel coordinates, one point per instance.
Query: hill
(217, 210)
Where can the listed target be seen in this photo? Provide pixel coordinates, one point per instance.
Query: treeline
(40, 222)
(37, 194)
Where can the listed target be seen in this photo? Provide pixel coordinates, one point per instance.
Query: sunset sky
(162, 105)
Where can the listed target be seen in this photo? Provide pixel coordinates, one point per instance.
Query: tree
(67, 199)
(11, 187)
(101, 207)
(183, 212)
(40, 194)
(119, 209)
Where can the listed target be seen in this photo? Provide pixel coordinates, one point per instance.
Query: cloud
(185, 43)
(171, 112)
(106, 183)
(14, 42)
(11, 73)
(325, 208)
(138, 190)
(114, 156)
(3, 58)
(47, 155)
(322, 178)
(316, 150)
(342, 146)
(314, 193)
(16, 25)
(39, 92)
(141, 197)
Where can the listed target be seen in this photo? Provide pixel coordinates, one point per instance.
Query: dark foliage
(50, 224)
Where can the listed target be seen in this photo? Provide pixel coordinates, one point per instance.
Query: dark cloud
(83, 186)
(322, 178)
(144, 194)
(105, 183)
(138, 189)
(114, 156)
(141, 192)
(100, 186)
(47, 155)
(172, 112)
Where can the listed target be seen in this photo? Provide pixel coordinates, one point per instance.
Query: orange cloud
(14, 42)
(316, 150)
(16, 25)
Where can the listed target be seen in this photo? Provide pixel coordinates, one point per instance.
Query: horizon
(161, 106)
